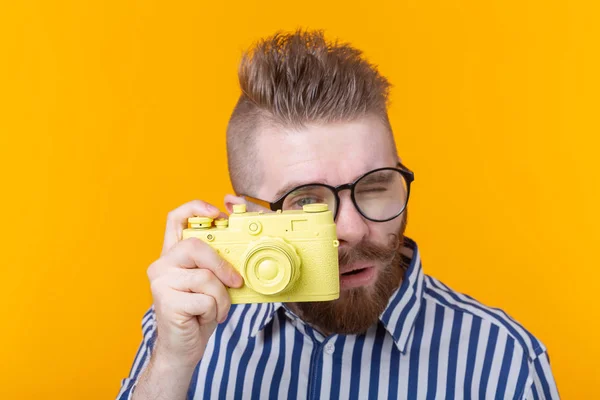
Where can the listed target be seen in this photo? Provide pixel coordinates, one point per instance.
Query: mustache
(368, 251)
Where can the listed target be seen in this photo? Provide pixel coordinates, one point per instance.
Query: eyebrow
(381, 177)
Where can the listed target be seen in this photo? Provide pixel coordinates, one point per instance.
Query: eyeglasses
(379, 195)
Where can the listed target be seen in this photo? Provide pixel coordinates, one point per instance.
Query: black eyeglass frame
(406, 173)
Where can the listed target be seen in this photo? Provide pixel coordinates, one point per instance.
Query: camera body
(285, 256)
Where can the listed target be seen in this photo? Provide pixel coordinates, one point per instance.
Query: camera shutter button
(239, 208)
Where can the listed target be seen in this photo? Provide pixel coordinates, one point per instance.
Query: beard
(359, 308)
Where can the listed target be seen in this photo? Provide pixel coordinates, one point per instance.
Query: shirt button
(329, 348)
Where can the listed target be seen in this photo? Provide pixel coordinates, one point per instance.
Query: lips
(354, 268)
(357, 275)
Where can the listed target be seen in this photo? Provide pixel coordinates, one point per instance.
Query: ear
(230, 200)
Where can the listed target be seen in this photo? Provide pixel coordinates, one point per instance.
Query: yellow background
(113, 112)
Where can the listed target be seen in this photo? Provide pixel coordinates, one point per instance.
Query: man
(311, 126)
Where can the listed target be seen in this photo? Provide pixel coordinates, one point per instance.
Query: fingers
(177, 220)
(203, 281)
(192, 287)
(189, 305)
(194, 253)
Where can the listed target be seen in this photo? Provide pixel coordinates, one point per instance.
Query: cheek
(383, 232)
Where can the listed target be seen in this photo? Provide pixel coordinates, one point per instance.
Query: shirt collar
(400, 314)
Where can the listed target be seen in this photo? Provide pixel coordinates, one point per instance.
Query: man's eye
(302, 201)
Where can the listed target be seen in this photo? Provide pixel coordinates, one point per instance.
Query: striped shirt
(429, 343)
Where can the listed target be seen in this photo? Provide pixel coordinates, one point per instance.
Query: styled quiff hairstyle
(290, 80)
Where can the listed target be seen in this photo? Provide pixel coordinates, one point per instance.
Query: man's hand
(188, 284)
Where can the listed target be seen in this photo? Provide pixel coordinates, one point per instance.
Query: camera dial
(199, 222)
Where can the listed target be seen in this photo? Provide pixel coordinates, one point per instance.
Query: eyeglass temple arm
(262, 203)
(405, 169)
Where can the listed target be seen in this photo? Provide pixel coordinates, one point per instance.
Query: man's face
(369, 251)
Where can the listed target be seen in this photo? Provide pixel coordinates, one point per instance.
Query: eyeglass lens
(379, 195)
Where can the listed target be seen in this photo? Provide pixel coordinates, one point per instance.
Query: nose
(351, 227)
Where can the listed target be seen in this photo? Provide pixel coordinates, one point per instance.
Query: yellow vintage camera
(284, 256)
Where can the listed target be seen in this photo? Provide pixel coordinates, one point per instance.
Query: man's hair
(289, 80)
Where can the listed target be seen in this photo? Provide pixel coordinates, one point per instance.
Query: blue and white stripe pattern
(430, 343)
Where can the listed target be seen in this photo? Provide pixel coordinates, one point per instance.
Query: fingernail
(239, 281)
(212, 208)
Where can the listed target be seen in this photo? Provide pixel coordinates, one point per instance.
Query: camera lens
(270, 266)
